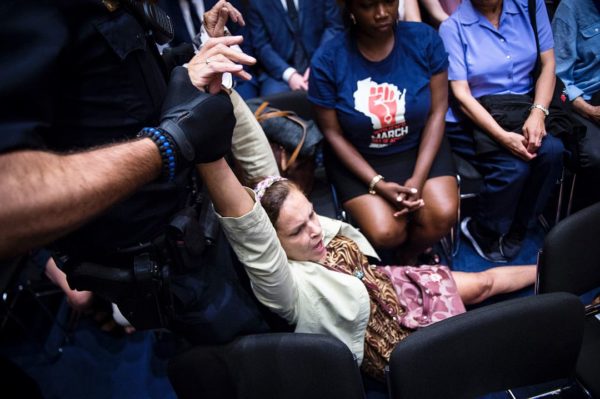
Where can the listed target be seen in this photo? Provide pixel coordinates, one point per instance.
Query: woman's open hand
(215, 58)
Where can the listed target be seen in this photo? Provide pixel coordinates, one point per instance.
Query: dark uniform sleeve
(33, 37)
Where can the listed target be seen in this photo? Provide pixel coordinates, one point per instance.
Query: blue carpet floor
(91, 363)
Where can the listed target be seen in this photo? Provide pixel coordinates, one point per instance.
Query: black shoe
(486, 246)
(510, 243)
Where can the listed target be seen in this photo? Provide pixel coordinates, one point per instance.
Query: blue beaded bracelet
(166, 147)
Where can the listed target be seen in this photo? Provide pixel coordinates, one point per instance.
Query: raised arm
(253, 239)
(216, 18)
(229, 197)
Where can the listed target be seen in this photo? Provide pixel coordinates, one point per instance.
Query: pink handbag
(427, 293)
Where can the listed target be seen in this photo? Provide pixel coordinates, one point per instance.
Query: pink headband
(265, 184)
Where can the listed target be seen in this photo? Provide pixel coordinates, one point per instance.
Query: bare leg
(432, 222)
(427, 226)
(477, 287)
(375, 217)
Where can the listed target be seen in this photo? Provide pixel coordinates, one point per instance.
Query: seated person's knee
(387, 236)
(446, 216)
(441, 217)
(552, 150)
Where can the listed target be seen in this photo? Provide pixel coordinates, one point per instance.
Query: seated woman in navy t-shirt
(380, 91)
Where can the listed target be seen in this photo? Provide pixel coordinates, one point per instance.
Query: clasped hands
(299, 82)
(525, 146)
(405, 199)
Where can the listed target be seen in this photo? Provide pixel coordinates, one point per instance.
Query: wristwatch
(540, 107)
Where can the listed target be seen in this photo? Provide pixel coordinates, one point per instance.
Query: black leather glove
(199, 126)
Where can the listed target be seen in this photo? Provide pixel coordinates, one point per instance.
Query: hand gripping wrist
(199, 124)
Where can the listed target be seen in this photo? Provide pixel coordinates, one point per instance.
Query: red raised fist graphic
(382, 104)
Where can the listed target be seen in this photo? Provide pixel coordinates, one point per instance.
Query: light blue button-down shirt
(494, 61)
(576, 28)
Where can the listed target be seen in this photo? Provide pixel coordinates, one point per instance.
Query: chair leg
(451, 242)
(560, 197)
(455, 231)
(447, 245)
(340, 213)
(571, 194)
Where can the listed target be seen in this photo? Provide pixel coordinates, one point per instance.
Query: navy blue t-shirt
(381, 106)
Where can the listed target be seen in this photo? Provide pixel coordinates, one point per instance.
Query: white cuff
(287, 74)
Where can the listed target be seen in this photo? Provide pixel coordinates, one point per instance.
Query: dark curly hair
(275, 196)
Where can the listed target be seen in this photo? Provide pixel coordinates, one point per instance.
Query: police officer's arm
(46, 195)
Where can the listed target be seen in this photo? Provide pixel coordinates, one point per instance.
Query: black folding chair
(268, 366)
(570, 261)
(509, 344)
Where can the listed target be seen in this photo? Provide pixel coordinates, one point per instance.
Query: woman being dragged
(317, 272)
